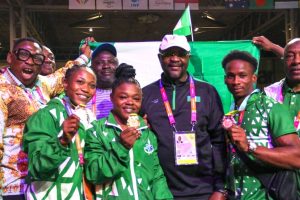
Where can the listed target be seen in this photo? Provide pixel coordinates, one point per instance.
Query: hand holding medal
(228, 120)
(133, 120)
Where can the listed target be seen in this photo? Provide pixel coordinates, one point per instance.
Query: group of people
(93, 133)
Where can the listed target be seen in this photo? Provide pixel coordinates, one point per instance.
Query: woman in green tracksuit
(54, 140)
(121, 160)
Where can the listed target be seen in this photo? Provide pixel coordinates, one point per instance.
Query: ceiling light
(196, 29)
(90, 29)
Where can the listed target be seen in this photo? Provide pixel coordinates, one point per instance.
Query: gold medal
(133, 120)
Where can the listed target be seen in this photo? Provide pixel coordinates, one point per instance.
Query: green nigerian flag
(183, 26)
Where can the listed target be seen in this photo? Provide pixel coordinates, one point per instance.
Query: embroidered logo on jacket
(148, 148)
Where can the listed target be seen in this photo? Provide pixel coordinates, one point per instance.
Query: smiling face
(239, 78)
(174, 62)
(292, 62)
(104, 65)
(126, 99)
(80, 86)
(48, 66)
(25, 71)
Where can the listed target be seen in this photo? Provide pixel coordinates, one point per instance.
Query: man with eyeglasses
(179, 106)
(104, 63)
(22, 92)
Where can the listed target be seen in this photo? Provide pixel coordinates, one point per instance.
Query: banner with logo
(161, 5)
(109, 5)
(204, 65)
(135, 4)
(82, 4)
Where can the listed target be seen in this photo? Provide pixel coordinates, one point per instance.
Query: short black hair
(124, 74)
(240, 55)
(30, 39)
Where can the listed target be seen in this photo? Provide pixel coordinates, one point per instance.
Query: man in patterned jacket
(263, 131)
(22, 92)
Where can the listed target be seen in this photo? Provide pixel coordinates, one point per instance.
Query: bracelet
(82, 59)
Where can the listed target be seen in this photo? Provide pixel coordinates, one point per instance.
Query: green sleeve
(160, 187)
(104, 160)
(281, 121)
(40, 142)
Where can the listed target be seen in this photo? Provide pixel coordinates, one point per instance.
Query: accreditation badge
(185, 148)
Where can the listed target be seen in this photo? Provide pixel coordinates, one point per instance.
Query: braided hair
(124, 74)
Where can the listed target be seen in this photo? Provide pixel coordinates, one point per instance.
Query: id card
(185, 148)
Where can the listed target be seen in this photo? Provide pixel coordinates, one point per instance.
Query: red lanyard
(168, 107)
(241, 117)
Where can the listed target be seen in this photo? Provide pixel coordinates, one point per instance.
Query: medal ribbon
(77, 138)
(168, 107)
(86, 186)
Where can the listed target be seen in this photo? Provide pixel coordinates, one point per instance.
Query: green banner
(206, 63)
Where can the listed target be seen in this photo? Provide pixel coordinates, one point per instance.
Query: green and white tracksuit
(120, 173)
(54, 171)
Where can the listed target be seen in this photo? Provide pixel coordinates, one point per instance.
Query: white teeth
(28, 70)
(82, 96)
(129, 110)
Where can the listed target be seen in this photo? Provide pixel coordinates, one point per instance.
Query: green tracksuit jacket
(120, 173)
(54, 171)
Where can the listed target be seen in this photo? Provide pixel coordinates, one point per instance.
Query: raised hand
(70, 128)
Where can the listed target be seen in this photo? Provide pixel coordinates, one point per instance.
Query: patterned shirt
(101, 103)
(17, 103)
(281, 92)
(264, 120)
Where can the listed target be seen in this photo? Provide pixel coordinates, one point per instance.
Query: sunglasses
(181, 54)
(24, 55)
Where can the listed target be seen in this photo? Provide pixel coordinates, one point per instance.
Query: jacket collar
(168, 82)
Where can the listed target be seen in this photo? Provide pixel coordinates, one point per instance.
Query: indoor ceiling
(62, 29)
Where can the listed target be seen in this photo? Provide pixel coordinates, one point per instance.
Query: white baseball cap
(174, 41)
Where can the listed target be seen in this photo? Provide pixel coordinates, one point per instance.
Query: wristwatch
(251, 147)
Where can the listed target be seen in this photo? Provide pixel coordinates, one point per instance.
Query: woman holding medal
(54, 139)
(121, 151)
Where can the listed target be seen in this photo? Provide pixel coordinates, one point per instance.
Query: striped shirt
(101, 103)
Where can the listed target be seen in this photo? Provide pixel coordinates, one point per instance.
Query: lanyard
(29, 94)
(241, 109)
(38, 90)
(77, 138)
(168, 107)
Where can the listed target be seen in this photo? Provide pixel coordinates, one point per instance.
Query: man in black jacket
(180, 108)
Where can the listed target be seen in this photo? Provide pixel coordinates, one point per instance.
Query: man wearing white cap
(180, 108)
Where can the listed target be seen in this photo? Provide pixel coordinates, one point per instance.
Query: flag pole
(192, 34)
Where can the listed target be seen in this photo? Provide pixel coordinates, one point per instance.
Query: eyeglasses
(180, 54)
(24, 55)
